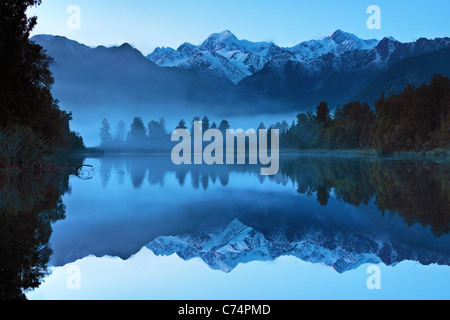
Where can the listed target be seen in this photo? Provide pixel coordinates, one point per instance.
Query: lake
(136, 226)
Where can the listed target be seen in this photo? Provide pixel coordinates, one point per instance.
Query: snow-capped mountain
(336, 76)
(224, 55)
(224, 247)
(336, 43)
(335, 68)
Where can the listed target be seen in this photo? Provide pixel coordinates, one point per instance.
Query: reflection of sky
(129, 203)
(146, 276)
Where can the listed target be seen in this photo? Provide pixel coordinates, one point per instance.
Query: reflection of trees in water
(29, 204)
(28, 207)
(105, 172)
(137, 170)
(156, 177)
(349, 179)
(205, 180)
(181, 177)
(418, 191)
(224, 178)
(155, 169)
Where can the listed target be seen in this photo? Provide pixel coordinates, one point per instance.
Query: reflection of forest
(156, 168)
(29, 204)
(418, 191)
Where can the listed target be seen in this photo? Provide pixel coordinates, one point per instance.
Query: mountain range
(228, 76)
(224, 56)
(335, 68)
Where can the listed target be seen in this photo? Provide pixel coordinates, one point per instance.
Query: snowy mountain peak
(337, 43)
(219, 41)
(391, 39)
(352, 41)
(224, 35)
(186, 48)
(224, 57)
(221, 54)
(340, 36)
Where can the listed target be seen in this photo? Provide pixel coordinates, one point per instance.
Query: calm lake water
(139, 227)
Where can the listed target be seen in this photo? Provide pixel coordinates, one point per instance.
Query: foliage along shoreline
(437, 154)
(34, 130)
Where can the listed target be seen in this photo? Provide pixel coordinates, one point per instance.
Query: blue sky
(147, 24)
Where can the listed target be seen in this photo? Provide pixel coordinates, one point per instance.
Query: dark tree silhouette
(29, 115)
(261, 126)
(157, 129)
(224, 126)
(414, 120)
(181, 125)
(25, 78)
(137, 135)
(323, 113)
(205, 124)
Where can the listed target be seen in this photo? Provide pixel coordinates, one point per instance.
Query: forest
(416, 120)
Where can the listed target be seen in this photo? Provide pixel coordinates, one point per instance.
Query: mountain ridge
(223, 61)
(226, 77)
(246, 57)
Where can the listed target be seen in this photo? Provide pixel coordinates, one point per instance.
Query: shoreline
(366, 153)
(438, 154)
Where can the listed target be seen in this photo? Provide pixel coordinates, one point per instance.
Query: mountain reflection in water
(339, 212)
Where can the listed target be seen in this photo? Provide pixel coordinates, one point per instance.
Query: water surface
(139, 227)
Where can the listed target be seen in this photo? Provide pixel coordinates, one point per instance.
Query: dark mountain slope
(415, 71)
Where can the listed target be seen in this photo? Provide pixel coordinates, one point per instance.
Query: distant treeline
(153, 136)
(416, 120)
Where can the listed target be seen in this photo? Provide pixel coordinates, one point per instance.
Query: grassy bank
(23, 151)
